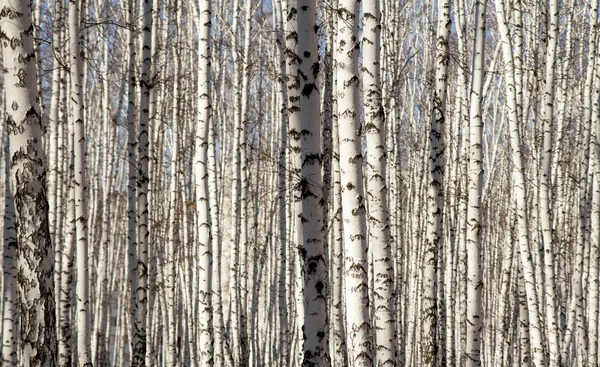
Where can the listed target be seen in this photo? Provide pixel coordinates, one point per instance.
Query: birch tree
(520, 190)
(284, 336)
(84, 356)
(131, 165)
(316, 335)
(474, 276)
(358, 329)
(34, 252)
(202, 193)
(545, 187)
(384, 318)
(10, 316)
(435, 192)
(141, 300)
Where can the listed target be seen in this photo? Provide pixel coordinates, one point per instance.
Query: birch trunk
(593, 273)
(173, 244)
(10, 305)
(236, 196)
(475, 183)
(215, 232)
(384, 319)
(520, 202)
(594, 261)
(338, 327)
(35, 257)
(356, 270)
(131, 171)
(575, 325)
(65, 334)
(295, 159)
(545, 189)
(315, 329)
(141, 302)
(84, 357)
(435, 203)
(202, 194)
(284, 332)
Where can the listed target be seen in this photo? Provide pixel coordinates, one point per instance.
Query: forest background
(300, 182)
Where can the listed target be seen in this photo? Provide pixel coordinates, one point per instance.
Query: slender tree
(316, 335)
(545, 188)
(140, 329)
(533, 324)
(84, 356)
(358, 337)
(131, 165)
(201, 172)
(435, 188)
(384, 318)
(474, 212)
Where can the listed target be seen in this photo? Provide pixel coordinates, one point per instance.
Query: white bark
(10, 303)
(435, 203)
(35, 256)
(174, 242)
(315, 329)
(205, 310)
(545, 189)
(384, 318)
(520, 201)
(131, 170)
(215, 233)
(593, 273)
(358, 337)
(295, 159)
(475, 184)
(236, 196)
(84, 357)
(575, 323)
(141, 303)
(66, 333)
(338, 324)
(284, 331)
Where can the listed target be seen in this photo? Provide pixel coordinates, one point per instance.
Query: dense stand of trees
(300, 182)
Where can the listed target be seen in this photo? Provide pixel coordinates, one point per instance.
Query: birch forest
(300, 183)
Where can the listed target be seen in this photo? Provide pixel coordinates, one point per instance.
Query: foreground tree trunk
(141, 302)
(358, 331)
(316, 333)
(384, 318)
(35, 256)
(84, 356)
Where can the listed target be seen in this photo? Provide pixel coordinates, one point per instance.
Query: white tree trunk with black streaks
(474, 212)
(205, 310)
(358, 323)
(435, 203)
(384, 317)
(519, 184)
(10, 304)
(82, 313)
(315, 329)
(35, 258)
